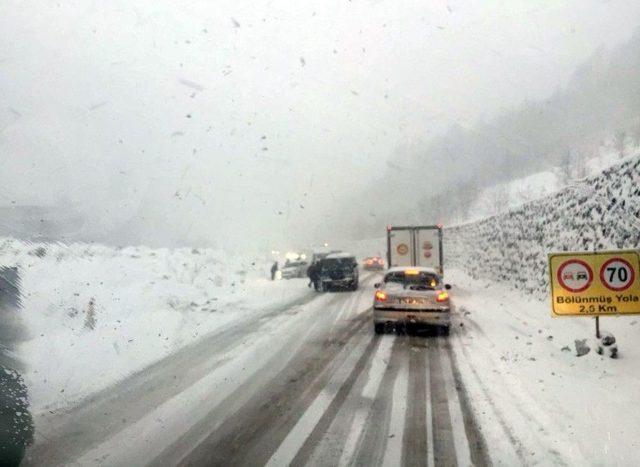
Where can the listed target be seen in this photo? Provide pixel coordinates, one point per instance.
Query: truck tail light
(381, 296)
(442, 296)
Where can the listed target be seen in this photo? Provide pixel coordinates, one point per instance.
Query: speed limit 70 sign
(594, 284)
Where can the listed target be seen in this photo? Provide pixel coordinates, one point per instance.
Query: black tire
(378, 328)
(354, 286)
(446, 330)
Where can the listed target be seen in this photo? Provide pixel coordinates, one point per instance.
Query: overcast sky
(234, 121)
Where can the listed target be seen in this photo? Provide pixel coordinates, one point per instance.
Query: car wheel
(446, 330)
(378, 328)
(354, 286)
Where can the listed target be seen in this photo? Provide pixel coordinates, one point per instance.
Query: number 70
(621, 272)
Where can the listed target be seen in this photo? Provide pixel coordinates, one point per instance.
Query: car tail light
(442, 296)
(381, 296)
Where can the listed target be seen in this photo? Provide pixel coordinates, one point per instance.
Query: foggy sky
(228, 122)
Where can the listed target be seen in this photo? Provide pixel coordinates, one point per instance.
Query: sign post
(601, 283)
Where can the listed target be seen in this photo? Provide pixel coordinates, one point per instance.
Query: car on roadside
(337, 270)
(412, 296)
(319, 255)
(294, 269)
(373, 263)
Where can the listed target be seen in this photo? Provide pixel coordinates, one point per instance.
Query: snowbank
(96, 314)
(538, 403)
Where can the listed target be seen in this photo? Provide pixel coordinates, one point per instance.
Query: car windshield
(337, 263)
(414, 281)
(205, 206)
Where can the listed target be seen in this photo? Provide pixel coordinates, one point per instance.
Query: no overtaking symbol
(575, 275)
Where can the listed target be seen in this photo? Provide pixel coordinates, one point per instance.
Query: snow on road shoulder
(96, 314)
(535, 399)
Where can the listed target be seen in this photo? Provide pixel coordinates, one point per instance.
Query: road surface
(308, 383)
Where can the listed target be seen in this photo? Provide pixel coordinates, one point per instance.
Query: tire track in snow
(254, 431)
(340, 440)
(477, 443)
(314, 409)
(415, 447)
(525, 404)
(68, 434)
(329, 415)
(393, 450)
(515, 442)
(373, 440)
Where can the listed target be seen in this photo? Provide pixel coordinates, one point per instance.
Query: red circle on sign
(427, 254)
(562, 280)
(427, 245)
(632, 274)
(402, 249)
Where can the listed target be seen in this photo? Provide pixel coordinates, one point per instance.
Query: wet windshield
(205, 206)
(414, 281)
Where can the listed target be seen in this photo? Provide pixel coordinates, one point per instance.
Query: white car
(412, 295)
(294, 269)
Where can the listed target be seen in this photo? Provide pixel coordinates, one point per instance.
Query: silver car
(294, 269)
(412, 295)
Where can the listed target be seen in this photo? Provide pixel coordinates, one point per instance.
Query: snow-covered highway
(303, 383)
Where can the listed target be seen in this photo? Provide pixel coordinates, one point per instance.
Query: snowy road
(307, 383)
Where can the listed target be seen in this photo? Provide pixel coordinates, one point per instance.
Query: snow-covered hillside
(504, 196)
(597, 212)
(95, 314)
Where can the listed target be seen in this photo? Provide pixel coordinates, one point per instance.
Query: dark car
(337, 270)
(319, 255)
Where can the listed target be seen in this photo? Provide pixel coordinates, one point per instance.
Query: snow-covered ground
(146, 303)
(536, 401)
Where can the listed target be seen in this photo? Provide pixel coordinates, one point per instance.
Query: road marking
(430, 439)
(296, 438)
(374, 438)
(376, 372)
(393, 452)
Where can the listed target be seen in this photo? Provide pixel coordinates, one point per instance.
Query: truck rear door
(401, 248)
(427, 244)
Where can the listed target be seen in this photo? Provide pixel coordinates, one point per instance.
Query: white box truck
(415, 246)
